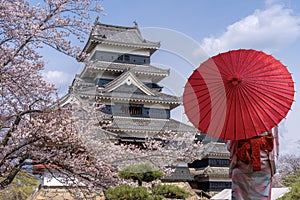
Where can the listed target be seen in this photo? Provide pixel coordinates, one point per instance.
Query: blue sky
(211, 26)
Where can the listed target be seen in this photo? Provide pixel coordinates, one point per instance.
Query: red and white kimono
(251, 167)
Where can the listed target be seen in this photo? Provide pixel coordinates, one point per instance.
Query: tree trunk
(140, 182)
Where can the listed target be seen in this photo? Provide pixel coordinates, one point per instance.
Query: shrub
(125, 192)
(140, 173)
(155, 197)
(139, 193)
(170, 191)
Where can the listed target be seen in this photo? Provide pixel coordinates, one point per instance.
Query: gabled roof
(127, 78)
(119, 36)
(69, 98)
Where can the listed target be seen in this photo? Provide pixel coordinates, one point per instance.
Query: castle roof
(110, 91)
(213, 150)
(211, 172)
(158, 98)
(118, 36)
(93, 67)
(139, 127)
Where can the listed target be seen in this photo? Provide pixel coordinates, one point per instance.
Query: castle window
(135, 110)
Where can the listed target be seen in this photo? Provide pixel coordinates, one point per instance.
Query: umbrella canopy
(238, 94)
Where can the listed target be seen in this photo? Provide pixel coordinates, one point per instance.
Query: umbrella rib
(267, 73)
(228, 92)
(286, 95)
(205, 106)
(231, 62)
(242, 64)
(239, 61)
(253, 65)
(267, 96)
(240, 105)
(235, 114)
(251, 116)
(244, 97)
(195, 92)
(272, 85)
(273, 81)
(264, 110)
(204, 67)
(278, 89)
(211, 75)
(264, 69)
(212, 85)
(219, 104)
(220, 55)
(207, 112)
(216, 82)
(192, 108)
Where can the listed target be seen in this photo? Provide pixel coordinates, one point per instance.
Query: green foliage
(146, 173)
(170, 191)
(293, 181)
(140, 173)
(155, 197)
(159, 192)
(139, 193)
(22, 186)
(125, 192)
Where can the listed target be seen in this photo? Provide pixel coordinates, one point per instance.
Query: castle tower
(119, 74)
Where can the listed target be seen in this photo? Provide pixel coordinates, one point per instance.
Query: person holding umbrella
(239, 96)
(252, 166)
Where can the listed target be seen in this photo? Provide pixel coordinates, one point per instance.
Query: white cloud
(267, 30)
(59, 78)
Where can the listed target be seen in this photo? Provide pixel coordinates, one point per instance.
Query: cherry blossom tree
(287, 165)
(34, 127)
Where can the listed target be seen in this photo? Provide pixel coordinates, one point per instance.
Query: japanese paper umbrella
(238, 94)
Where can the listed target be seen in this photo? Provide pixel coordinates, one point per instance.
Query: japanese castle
(119, 74)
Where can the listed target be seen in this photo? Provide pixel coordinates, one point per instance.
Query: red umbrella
(238, 94)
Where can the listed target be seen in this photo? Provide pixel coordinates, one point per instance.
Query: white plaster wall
(49, 180)
(121, 49)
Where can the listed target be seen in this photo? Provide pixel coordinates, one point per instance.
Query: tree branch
(4, 183)
(16, 123)
(17, 148)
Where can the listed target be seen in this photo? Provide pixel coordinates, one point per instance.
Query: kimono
(251, 168)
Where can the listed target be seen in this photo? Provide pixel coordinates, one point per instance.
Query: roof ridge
(115, 26)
